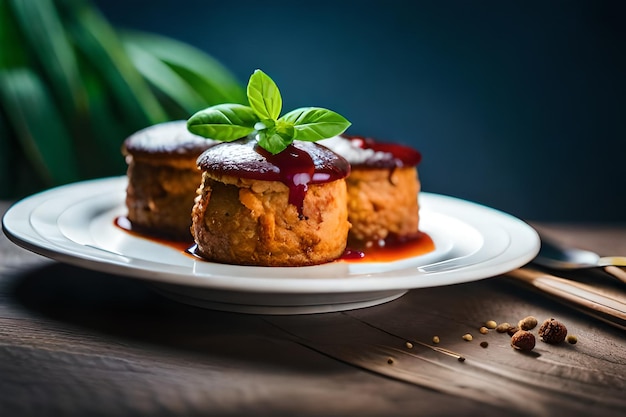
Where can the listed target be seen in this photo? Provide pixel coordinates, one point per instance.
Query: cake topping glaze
(244, 158)
(364, 152)
(298, 166)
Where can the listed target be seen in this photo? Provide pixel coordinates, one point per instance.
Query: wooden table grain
(75, 342)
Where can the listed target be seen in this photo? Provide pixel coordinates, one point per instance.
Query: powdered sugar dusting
(169, 137)
(353, 150)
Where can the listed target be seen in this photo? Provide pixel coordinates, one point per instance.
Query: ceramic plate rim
(23, 223)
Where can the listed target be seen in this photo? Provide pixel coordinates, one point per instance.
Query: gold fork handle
(612, 261)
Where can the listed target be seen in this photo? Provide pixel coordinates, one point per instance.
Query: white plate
(75, 224)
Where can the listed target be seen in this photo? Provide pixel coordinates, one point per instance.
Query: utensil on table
(554, 256)
(602, 306)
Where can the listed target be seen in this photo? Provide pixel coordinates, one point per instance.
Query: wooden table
(75, 342)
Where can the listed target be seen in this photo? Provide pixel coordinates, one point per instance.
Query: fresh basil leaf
(265, 124)
(286, 129)
(227, 122)
(272, 141)
(314, 123)
(264, 96)
(224, 122)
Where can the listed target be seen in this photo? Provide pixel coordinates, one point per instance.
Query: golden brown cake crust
(159, 199)
(250, 222)
(382, 203)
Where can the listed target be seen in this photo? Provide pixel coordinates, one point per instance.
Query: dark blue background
(519, 105)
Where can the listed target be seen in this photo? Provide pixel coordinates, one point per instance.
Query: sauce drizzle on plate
(389, 250)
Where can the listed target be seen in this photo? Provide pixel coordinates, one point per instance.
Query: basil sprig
(228, 122)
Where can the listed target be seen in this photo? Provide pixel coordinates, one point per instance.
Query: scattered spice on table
(523, 340)
(527, 323)
(503, 327)
(552, 331)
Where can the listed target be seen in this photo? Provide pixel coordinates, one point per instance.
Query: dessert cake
(382, 189)
(259, 208)
(163, 178)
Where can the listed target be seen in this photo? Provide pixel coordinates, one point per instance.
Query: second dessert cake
(163, 178)
(256, 208)
(382, 190)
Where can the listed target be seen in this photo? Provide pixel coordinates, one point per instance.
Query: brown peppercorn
(552, 331)
(512, 330)
(527, 323)
(571, 339)
(503, 327)
(484, 344)
(523, 340)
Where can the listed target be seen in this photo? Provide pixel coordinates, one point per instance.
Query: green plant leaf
(264, 96)
(101, 131)
(166, 80)
(272, 141)
(99, 44)
(12, 52)
(210, 79)
(224, 122)
(46, 38)
(35, 119)
(285, 128)
(69, 91)
(230, 121)
(314, 123)
(18, 178)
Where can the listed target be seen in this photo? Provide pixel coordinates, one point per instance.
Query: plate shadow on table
(128, 310)
(105, 310)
